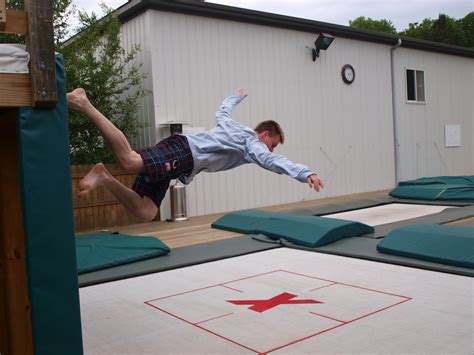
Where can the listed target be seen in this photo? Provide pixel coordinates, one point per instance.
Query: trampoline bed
(289, 301)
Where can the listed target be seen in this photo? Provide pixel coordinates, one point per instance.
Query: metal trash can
(178, 202)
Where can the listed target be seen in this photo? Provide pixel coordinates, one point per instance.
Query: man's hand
(241, 92)
(315, 182)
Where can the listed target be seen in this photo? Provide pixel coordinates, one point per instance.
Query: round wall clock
(348, 74)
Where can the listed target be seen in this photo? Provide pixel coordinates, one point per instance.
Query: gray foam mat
(366, 248)
(464, 210)
(359, 247)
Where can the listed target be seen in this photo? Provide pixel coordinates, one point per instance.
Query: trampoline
(289, 301)
(393, 212)
(252, 295)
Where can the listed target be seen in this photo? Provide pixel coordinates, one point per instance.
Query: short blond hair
(272, 127)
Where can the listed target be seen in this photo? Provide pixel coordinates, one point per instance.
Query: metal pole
(394, 113)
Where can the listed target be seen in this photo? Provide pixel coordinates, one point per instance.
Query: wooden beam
(15, 323)
(40, 45)
(3, 15)
(15, 90)
(17, 22)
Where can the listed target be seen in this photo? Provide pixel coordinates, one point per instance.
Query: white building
(407, 114)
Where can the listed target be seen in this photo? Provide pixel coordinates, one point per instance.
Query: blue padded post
(49, 226)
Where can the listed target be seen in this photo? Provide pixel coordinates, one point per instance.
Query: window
(415, 85)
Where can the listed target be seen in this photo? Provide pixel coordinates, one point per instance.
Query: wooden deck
(198, 230)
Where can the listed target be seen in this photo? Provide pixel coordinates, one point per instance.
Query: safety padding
(242, 221)
(308, 231)
(49, 225)
(103, 250)
(443, 188)
(449, 245)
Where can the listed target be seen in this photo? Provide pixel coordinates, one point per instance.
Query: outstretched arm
(279, 164)
(225, 110)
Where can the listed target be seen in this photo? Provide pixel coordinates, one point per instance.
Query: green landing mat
(179, 257)
(310, 231)
(446, 244)
(440, 188)
(107, 249)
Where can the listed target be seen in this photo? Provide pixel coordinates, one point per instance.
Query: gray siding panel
(448, 90)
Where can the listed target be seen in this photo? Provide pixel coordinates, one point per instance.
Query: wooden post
(15, 323)
(40, 45)
(3, 15)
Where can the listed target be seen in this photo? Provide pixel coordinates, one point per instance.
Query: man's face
(270, 141)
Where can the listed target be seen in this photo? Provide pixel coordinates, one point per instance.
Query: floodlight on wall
(323, 42)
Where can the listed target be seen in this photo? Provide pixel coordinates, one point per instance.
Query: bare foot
(93, 179)
(77, 99)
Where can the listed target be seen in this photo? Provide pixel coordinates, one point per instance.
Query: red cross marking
(264, 305)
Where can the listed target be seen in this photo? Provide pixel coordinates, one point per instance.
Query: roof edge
(136, 7)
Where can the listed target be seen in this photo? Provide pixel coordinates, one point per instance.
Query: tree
(419, 30)
(467, 25)
(444, 29)
(95, 60)
(62, 12)
(447, 30)
(373, 25)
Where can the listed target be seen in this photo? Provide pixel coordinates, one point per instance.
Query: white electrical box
(452, 135)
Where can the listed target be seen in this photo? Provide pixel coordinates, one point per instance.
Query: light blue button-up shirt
(231, 144)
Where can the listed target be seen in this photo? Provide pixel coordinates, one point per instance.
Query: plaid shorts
(169, 159)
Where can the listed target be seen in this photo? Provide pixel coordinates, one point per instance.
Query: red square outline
(197, 324)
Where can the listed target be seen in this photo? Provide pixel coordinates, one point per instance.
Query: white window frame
(416, 101)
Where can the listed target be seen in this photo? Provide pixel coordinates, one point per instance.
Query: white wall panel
(449, 86)
(136, 32)
(343, 132)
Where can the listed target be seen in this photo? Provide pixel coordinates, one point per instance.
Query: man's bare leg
(142, 207)
(125, 156)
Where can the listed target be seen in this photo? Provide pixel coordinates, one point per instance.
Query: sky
(400, 12)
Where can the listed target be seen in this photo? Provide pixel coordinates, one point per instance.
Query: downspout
(394, 112)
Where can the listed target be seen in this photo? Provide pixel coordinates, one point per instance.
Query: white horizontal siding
(343, 132)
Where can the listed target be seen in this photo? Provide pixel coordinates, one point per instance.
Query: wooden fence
(100, 209)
